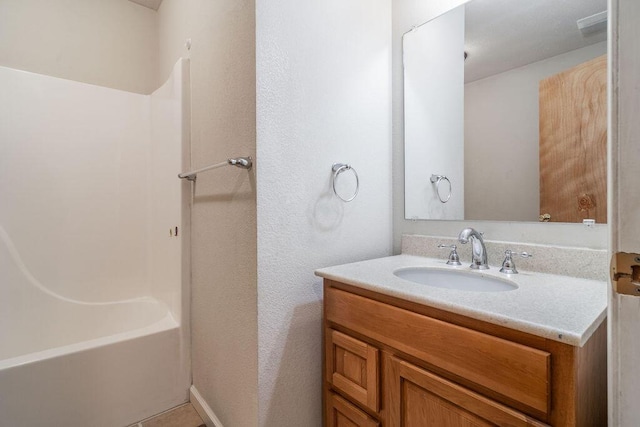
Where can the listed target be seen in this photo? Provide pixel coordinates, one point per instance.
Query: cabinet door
(341, 413)
(352, 368)
(418, 398)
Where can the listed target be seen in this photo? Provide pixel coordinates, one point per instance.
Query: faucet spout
(478, 249)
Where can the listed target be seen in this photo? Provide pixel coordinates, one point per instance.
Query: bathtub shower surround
(93, 230)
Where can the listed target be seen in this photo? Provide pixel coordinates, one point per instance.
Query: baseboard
(203, 409)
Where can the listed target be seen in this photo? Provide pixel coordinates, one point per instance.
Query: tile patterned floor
(181, 416)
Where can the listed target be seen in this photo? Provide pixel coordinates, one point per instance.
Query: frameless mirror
(505, 112)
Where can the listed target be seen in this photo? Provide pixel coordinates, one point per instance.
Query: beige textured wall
(223, 309)
(110, 43)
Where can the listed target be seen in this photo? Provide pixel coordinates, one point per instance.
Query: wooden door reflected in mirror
(573, 143)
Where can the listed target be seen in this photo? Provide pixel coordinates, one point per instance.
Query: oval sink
(453, 279)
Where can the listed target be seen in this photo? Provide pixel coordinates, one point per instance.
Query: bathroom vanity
(399, 353)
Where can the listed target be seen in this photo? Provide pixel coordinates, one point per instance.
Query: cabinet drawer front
(516, 372)
(353, 368)
(422, 399)
(340, 413)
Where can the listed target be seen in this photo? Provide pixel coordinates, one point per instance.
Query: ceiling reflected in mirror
(501, 35)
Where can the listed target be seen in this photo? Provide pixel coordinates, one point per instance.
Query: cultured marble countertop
(561, 308)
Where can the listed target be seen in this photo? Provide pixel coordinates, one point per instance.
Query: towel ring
(337, 169)
(437, 179)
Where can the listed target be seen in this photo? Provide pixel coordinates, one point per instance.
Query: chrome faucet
(478, 249)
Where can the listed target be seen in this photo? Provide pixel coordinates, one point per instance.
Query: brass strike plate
(625, 273)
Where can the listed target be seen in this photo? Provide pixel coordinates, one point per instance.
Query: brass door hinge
(625, 273)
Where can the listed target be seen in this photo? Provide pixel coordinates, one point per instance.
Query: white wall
(74, 161)
(407, 13)
(501, 129)
(224, 295)
(109, 43)
(323, 96)
(88, 199)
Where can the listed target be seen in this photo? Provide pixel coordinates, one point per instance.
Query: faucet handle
(509, 265)
(454, 259)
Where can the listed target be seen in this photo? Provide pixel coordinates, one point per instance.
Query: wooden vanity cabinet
(395, 363)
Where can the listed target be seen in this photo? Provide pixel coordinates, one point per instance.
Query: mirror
(505, 112)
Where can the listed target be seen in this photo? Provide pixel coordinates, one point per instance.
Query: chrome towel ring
(437, 179)
(337, 169)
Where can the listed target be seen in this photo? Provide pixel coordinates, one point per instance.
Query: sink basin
(455, 279)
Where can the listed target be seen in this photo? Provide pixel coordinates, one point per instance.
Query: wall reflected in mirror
(507, 100)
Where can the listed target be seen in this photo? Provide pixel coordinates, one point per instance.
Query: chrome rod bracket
(242, 162)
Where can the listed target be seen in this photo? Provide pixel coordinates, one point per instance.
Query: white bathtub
(94, 287)
(71, 363)
(128, 368)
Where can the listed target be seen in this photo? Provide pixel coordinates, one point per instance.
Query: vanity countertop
(560, 308)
